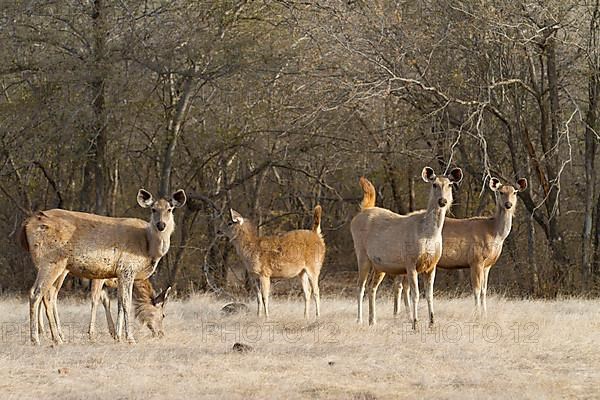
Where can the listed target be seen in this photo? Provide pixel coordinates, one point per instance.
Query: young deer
(475, 243)
(390, 243)
(95, 247)
(148, 306)
(295, 253)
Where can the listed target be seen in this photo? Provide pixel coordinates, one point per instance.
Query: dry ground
(526, 349)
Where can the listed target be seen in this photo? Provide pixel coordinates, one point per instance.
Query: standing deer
(390, 243)
(295, 253)
(96, 247)
(475, 243)
(148, 307)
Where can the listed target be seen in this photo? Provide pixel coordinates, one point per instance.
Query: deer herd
(124, 253)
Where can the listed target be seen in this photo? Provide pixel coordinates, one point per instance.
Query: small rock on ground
(242, 348)
(234, 308)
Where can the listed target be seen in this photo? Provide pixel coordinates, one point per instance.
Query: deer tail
(317, 219)
(368, 200)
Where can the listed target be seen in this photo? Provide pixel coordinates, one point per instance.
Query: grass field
(525, 349)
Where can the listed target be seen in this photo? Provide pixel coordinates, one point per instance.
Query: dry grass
(554, 355)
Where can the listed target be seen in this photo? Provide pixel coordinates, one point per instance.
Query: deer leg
(46, 276)
(414, 292)
(314, 284)
(125, 292)
(375, 282)
(307, 292)
(476, 282)
(47, 299)
(41, 327)
(429, 279)
(486, 274)
(265, 287)
(96, 290)
(258, 297)
(397, 289)
(406, 297)
(120, 316)
(364, 267)
(56, 288)
(109, 321)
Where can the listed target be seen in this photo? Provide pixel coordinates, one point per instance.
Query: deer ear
(522, 184)
(161, 299)
(456, 175)
(495, 184)
(144, 198)
(178, 198)
(236, 216)
(428, 174)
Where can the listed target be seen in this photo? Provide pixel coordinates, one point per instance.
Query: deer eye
(435, 185)
(153, 210)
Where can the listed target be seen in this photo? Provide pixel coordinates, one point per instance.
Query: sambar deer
(148, 307)
(386, 242)
(96, 247)
(474, 243)
(287, 255)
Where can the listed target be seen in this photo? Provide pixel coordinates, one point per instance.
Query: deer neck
(434, 218)
(502, 222)
(245, 242)
(158, 242)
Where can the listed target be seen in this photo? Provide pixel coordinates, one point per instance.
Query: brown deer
(96, 247)
(295, 253)
(148, 306)
(390, 243)
(474, 243)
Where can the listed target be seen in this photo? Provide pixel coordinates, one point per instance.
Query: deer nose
(442, 202)
(161, 226)
(508, 205)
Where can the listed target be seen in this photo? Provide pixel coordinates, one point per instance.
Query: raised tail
(368, 200)
(317, 219)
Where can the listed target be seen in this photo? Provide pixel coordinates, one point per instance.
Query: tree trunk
(94, 193)
(173, 131)
(590, 144)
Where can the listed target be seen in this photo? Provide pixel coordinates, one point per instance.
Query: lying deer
(390, 243)
(95, 247)
(475, 243)
(295, 253)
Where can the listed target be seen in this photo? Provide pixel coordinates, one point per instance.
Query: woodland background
(271, 107)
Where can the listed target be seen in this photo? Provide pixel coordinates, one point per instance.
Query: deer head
(506, 195)
(153, 314)
(441, 186)
(161, 219)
